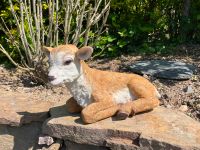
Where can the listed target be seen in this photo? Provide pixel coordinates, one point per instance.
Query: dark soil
(173, 92)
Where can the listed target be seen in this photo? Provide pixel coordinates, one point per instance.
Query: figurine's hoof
(122, 115)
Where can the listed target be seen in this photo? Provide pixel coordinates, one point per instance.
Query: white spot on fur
(61, 72)
(72, 75)
(81, 91)
(123, 96)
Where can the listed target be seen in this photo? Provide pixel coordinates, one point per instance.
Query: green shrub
(149, 26)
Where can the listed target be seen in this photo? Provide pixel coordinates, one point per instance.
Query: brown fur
(104, 84)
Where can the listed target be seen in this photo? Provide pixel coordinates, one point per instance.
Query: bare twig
(88, 26)
(23, 36)
(79, 22)
(80, 17)
(11, 60)
(67, 21)
(56, 26)
(27, 9)
(41, 22)
(36, 24)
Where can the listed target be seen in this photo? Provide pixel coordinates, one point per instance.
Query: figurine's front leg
(73, 106)
(98, 111)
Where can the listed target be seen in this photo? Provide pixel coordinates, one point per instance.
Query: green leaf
(91, 34)
(146, 28)
(110, 49)
(45, 6)
(121, 43)
(111, 39)
(81, 40)
(198, 17)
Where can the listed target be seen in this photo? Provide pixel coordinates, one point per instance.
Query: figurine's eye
(67, 62)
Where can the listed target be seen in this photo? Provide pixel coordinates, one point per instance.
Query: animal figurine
(98, 94)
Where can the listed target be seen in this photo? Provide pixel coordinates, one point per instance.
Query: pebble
(189, 90)
(168, 106)
(194, 78)
(145, 76)
(45, 140)
(183, 108)
(198, 106)
(165, 96)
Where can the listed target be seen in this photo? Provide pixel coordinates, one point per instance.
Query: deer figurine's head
(65, 62)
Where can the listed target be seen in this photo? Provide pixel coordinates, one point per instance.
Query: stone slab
(164, 69)
(161, 128)
(20, 138)
(118, 143)
(8, 115)
(16, 109)
(76, 146)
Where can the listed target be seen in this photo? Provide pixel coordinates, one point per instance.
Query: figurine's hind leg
(146, 100)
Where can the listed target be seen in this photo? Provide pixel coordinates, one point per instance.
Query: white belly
(123, 96)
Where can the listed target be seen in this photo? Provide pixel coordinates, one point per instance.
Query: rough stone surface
(117, 143)
(164, 69)
(20, 138)
(160, 128)
(8, 115)
(17, 109)
(76, 146)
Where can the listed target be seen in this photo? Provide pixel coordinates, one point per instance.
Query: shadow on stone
(61, 111)
(28, 117)
(16, 110)
(79, 121)
(20, 138)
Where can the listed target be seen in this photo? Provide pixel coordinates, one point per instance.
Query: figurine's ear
(84, 52)
(46, 50)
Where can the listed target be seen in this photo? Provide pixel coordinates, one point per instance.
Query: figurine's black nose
(51, 78)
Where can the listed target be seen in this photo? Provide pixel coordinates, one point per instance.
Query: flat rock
(20, 138)
(17, 109)
(161, 128)
(76, 146)
(174, 70)
(8, 115)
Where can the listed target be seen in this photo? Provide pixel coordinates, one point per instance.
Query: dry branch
(74, 19)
